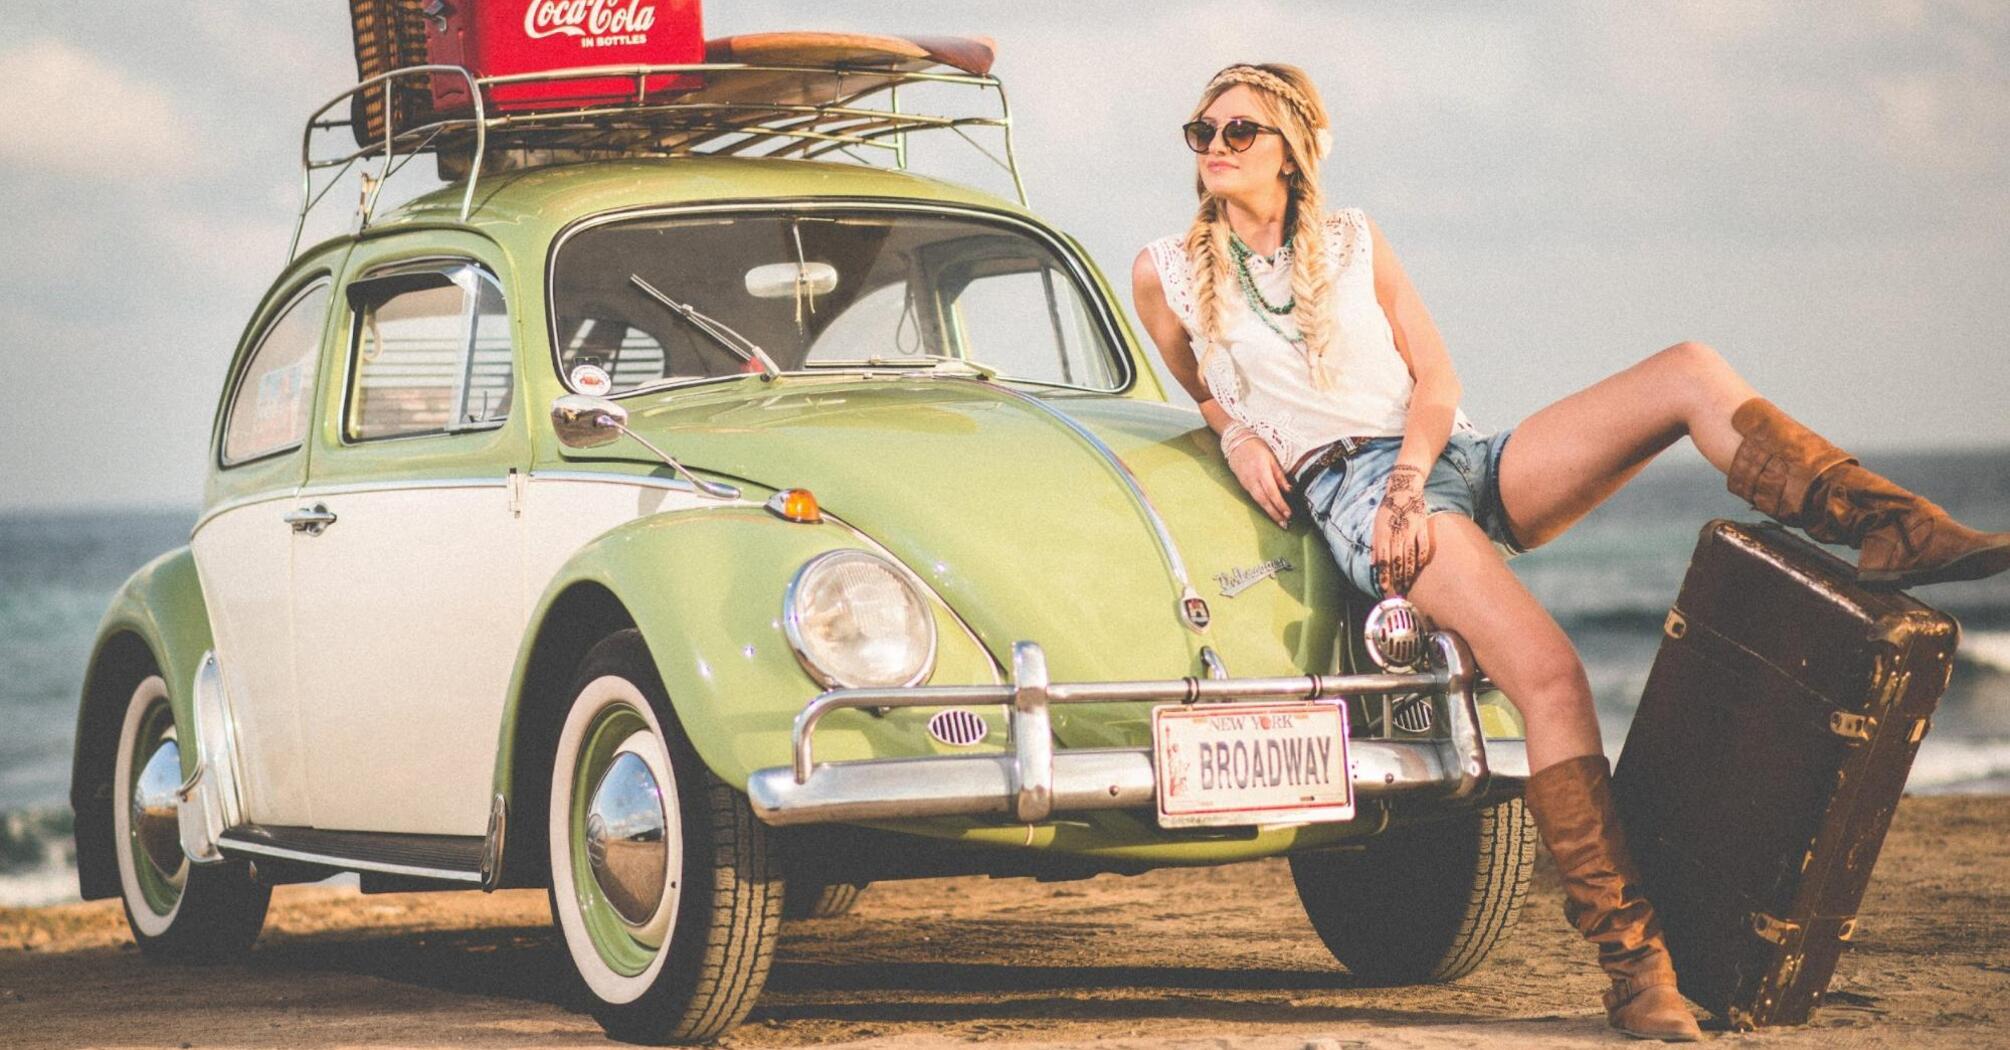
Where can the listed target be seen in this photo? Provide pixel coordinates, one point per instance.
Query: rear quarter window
(269, 409)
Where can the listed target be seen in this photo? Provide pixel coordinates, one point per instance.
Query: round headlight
(857, 621)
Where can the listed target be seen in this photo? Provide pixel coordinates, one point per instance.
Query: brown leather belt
(1331, 454)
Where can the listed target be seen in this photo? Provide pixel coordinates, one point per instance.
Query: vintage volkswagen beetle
(683, 533)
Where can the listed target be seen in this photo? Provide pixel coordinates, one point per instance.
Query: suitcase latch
(1847, 929)
(1676, 625)
(1774, 930)
(1851, 726)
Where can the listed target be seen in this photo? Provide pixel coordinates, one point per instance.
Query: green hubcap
(621, 825)
(155, 811)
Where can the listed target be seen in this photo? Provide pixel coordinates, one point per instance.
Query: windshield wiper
(932, 361)
(716, 329)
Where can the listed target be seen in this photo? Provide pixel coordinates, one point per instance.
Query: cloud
(76, 115)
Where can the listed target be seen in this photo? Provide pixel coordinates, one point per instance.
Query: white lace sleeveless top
(1264, 382)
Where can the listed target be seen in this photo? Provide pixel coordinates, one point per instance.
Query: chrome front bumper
(1032, 781)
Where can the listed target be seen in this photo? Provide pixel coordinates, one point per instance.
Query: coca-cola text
(582, 18)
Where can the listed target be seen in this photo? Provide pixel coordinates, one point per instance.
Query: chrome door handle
(310, 520)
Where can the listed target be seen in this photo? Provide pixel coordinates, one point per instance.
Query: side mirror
(586, 422)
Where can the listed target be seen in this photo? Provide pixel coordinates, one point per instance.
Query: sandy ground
(1215, 958)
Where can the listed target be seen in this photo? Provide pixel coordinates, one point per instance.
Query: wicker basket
(390, 34)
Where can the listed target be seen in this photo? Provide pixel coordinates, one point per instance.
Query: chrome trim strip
(217, 784)
(344, 489)
(1032, 781)
(412, 484)
(493, 842)
(239, 503)
(330, 860)
(1213, 662)
(1119, 347)
(648, 481)
(1174, 562)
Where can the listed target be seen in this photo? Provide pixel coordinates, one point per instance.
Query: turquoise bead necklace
(1254, 295)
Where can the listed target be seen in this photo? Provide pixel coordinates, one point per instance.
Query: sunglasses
(1240, 134)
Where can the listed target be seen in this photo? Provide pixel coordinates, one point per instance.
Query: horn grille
(1411, 714)
(957, 727)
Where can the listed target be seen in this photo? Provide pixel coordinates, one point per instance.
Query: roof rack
(799, 109)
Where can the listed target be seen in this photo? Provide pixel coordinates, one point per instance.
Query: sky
(1821, 191)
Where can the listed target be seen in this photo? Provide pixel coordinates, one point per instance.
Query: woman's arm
(1402, 542)
(1254, 465)
(1435, 399)
(1175, 349)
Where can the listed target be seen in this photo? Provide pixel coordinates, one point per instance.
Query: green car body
(1019, 524)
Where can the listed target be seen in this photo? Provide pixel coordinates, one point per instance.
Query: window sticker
(276, 406)
(591, 380)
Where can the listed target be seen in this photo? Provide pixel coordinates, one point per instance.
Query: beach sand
(1216, 958)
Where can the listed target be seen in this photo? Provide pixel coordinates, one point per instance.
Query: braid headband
(1254, 76)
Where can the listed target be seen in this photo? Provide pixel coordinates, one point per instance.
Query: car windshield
(821, 290)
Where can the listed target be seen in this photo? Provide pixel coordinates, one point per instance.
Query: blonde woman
(1298, 334)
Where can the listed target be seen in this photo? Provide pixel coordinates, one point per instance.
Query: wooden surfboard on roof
(823, 69)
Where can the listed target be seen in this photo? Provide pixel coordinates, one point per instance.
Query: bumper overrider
(1032, 781)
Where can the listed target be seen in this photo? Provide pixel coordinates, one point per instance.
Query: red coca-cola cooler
(504, 37)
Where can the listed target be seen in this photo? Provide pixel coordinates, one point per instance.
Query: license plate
(1224, 764)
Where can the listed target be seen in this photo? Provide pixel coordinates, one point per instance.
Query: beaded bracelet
(1233, 437)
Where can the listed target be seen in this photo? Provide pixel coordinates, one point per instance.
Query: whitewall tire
(661, 883)
(175, 908)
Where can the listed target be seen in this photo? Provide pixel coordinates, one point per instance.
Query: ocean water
(1608, 581)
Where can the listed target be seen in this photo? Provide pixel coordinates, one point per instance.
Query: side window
(429, 353)
(1029, 321)
(489, 362)
(268, 412)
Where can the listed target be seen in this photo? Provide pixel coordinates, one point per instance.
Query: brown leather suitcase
(1760, 774)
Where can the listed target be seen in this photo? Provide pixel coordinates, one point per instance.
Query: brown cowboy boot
(1571, 802)
(1797, 477)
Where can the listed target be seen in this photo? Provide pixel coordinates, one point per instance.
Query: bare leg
(1569, 456)
(1467, 587)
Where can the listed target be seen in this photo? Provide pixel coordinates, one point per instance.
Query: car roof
(546, 199)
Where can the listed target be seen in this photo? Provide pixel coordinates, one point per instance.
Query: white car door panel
(409, 610)
(243, 557)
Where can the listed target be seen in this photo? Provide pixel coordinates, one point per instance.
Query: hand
(1261, 476)
(1402, 544)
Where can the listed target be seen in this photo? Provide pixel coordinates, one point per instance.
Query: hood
(1025, 527)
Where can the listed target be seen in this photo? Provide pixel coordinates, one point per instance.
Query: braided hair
(1301, 116)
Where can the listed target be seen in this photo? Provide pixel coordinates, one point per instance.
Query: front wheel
(176, 909)
(661, 882)
(1423, 903)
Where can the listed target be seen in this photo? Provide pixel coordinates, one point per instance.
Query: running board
(447, 858)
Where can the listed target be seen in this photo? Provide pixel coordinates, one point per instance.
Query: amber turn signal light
(795, 505)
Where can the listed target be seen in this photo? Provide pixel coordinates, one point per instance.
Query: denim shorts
(1343, 497)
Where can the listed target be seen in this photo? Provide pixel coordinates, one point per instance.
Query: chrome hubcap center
(156, 814)
(625, 844)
